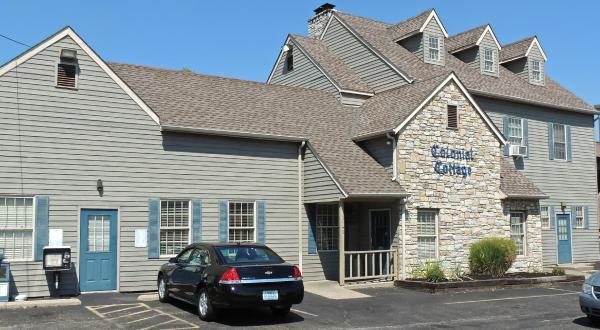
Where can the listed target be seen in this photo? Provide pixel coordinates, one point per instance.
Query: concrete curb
(148, 297)
(39, 303)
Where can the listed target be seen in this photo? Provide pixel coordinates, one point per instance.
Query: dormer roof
(415, 24)
(519, 49)
(470, 38)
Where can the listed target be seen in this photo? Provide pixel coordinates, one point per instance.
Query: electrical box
(57, 258)
(4, 278)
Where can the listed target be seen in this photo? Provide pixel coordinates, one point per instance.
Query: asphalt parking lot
(549, 308)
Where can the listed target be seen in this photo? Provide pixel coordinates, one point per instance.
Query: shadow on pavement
(584, 321)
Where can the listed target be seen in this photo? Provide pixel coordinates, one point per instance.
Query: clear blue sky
(241, 38)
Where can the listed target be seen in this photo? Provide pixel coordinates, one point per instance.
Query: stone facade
(316, 24)
(464, 187)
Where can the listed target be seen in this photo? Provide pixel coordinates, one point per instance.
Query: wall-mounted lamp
(563, 206)
(100, 187)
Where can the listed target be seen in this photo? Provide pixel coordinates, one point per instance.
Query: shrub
(558, 271)
(492, 256)
(434, 272)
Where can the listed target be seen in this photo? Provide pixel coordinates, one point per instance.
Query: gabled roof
(345, 78)
(519, 49)
(415, 24)
(68, 32)
(515, 184)
(470, 38)
(506, 86)
(190, 102)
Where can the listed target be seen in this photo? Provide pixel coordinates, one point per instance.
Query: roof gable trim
(536, 43)
(454, 78)
(431, 16)
(488, 28)
(69, 32)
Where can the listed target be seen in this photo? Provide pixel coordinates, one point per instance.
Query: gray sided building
(372, 149)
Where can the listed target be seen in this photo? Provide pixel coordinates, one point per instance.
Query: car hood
(594, 279)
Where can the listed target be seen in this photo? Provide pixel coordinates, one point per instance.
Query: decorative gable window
(434, 48)
(452, 119)
(289, 59)
(488, 60)
(67, 69)
(536, 71)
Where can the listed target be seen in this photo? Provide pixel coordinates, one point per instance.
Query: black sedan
(229, 275)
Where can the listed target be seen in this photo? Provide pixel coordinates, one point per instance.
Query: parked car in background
(589, 298)
(230, 275)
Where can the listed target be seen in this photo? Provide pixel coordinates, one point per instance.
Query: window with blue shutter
(42, 213)
(550, 141)
(260, 221)
(154, 228)
(223, 221)
(312, 228)
(552, 216)
(526, 135)
(505, 133)
(196, 220)
(586, 217)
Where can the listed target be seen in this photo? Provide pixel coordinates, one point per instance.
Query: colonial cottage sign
(450, 167)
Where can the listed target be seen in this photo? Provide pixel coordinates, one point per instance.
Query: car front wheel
(163, 292)
(206, 311)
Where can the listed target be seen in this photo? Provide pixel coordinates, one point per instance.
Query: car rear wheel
(206, 311)
(281, 311)
(163, 292)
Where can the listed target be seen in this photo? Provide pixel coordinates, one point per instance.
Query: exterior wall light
(100, 187)
(563, 206)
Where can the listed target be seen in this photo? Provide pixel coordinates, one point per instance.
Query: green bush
(557, 271)
(492, 256)
(434, 272)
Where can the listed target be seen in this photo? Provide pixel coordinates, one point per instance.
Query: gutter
(300, 202)
(527, 197)
(241, 134)
(394, 155)
(373, 195)
(526, 101)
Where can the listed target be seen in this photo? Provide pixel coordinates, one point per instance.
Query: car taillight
(297, 273)
(230, 277)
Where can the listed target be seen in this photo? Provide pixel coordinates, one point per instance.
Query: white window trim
(246, 227)
(160, 227)
(337, 226)
(565, 142)
(524, 224)
(547, 214)
(522, 130)
(429, 48)
(539, 70)
(582, 217)
(492, 61)
(33, 227)
(436, 214)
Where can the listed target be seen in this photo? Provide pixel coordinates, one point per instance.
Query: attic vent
(66, 70)
(452, 116)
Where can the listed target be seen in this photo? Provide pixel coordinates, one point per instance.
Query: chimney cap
(324, 7)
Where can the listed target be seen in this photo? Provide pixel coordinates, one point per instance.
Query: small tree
(492, 256)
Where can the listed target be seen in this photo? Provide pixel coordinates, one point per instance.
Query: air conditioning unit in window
(517, 151)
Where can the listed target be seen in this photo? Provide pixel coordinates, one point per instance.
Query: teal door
(563, 238)
(98, 244)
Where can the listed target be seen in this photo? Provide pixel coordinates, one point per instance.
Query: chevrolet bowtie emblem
(268, 272)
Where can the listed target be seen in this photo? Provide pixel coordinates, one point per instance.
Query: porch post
(341, 244)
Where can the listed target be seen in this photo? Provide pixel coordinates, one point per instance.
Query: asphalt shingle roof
(206, 102)
(515, 184)
(516, 49)
(409, 26)
(465, 39)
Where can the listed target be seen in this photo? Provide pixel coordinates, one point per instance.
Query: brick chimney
(317, 23)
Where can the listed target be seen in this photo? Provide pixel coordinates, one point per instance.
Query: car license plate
(270, 295)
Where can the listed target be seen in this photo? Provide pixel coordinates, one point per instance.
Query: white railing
(376, 264)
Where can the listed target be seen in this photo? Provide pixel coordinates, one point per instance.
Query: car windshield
(248, 255)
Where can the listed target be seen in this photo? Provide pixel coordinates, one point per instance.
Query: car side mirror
(173, 260)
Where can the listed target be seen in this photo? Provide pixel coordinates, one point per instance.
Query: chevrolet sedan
(230, 275)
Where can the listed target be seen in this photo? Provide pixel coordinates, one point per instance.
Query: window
(452, 116)
(517, 231)
(327, 227)
(427, 234)
(200, 257)
(174, 226)
(241, 222)
(560, 141)
(536, 72)
(434, 48)
(66, 70)
(545, 216)
(488, 60)
(289, 59)
(16, 227)
(232, 255)
(515, 131)
(579, 217)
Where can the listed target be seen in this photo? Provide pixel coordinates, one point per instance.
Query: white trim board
(431, 16)
(455, 79)
(488, 28)
(69, 32)
(537, 43)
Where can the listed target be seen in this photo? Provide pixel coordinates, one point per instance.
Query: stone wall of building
(532, 258)
(464, 186)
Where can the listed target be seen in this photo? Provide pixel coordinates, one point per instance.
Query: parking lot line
(128, 315)
(143, 319)
(122, 309)
(557, 289)
(98, 307)
(194, 326)
(303, 312)
(509, 298)
(159, 324)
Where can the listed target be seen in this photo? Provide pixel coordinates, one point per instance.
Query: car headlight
(587, 289)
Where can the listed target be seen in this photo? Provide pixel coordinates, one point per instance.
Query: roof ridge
(427, 11)
(364, 18)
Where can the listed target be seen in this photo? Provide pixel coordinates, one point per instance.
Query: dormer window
(488, 58)
(67, 69)
(434, 48)
(536, 72)
(289, 59)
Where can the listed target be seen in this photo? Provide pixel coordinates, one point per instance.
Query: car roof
(215, 244)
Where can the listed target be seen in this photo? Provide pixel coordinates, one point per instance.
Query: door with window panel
(563, 238)
(98, 242)
(16, 227)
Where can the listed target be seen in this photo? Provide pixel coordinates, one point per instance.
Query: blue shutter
(505, 133)
(41, 225)
(550, 141)
(153, 228)
(312, 229)
(586, 218)
(573, 217)
(223, 225)
(260, 221)
(526, 136)
(569, 149)
(552, 216)
(196, 220)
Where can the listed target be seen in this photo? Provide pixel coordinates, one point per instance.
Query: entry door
(563, 238)
(380, 230)
(98, 245)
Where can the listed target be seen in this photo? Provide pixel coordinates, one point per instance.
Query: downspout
(300, 203)
(403, 219)
(394, 155)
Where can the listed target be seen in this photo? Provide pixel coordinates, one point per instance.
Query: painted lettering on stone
(448, 166)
